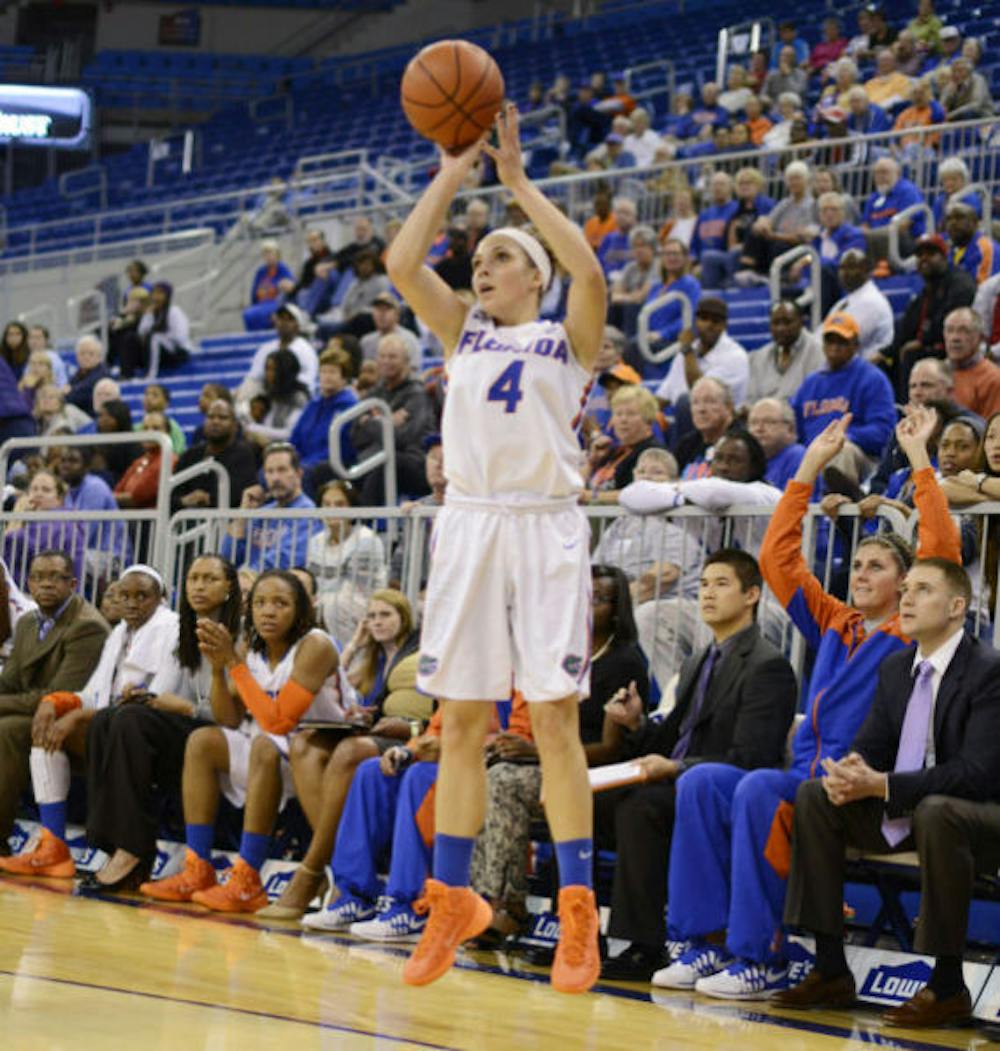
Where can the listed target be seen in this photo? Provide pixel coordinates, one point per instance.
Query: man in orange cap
(848, 384)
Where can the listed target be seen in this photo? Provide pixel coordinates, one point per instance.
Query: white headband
(140, 567)
(531, 245)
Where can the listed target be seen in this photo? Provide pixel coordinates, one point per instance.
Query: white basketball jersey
(514, 399)
(326, 703)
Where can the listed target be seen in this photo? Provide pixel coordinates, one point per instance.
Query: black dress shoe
(131, 881)
(638, 963)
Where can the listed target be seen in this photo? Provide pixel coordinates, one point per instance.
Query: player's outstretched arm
(587, 303)
(425, 292)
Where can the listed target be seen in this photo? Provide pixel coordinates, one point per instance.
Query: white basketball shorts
(507, 604)
(234, 784)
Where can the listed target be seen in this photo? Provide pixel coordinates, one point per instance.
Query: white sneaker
(394, 922)
(339, 914)
(699, 961)
(744, 980)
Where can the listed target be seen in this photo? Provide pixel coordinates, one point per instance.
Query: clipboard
(614, 775)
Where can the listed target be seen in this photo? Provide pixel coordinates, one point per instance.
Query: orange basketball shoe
(196, 875)
(456, 914)
(241, 892)
(578, 959)
(50, 857)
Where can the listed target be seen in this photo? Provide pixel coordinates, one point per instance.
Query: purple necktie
(684, 741)
(912, 745)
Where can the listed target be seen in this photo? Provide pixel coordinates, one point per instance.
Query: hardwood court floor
(80, 974)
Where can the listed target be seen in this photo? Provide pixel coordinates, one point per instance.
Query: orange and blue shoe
(455, 914)
(50, 857)
(578, 958)
(242, 891)
(196, 875)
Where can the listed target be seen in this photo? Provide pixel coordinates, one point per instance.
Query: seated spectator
(858, 46)
(772, 422)
(786, 76)
(602, 222)
(788, 38)
(272, 543)
(792, 221)
(348, 562)
(757, 124)
(909, 58)
(609, 152)
(37, 371)
(892, 194)
(209, 393)
(388, 649)
(123, 328)
(288, 322)
(789, 114)
(707, 351)
(950, 44)
(14, 347)
(641, 141)
(830, 48)
(131, 661)
(165, 332)
(615, 250)
(224, 444)
(22, 540)
(38, 340)
(108, 547)
(735, 702)
(608, 366)
(385, 315)
(778, 369)
(953, 178)
(712, 416)
(976, 379)
(586, 126)
(681, 222)
(718, 266)
(455, 267)
(477, 221)
(311, 433)
(139, 485)
(631, 288)
(888, 88)
(365, 240)
(52, 413)
(90, 369)
(710, 230)
(156, 398)
(134, 748)
(972, 50)
(354, 315)
(736, 96)
(967, 97)
(308, 290)
(925, 27)
(265, 290)
(848, 384)
(975, 253)
(920, 331)
(923, 112)
(843, 77)
(707, 115)
(438, 485)
(836, 236)
(885, 795)
(985, 305)
(864, 116)
(612, 457)
(55, 648)
(286, 398)
(881, 34)
(757, 71)
(412, 420)
(866, 303)
(288, 676)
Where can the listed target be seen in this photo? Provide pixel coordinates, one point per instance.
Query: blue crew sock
(253, 848)
(199, 839)
(453, 859)
(576, 862)
(54, 817)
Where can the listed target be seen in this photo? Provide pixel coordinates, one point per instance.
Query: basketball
(451, 92)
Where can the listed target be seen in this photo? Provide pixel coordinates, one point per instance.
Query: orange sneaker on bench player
(50, 857)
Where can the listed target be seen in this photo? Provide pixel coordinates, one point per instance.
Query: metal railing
(743, 38)
(896, 225)
(813, 297)
(642, 325)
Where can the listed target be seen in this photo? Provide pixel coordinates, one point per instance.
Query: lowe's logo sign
(893, 985)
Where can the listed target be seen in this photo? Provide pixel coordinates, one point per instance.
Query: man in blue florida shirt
(269, 543)
(848, 384)
(892, 195)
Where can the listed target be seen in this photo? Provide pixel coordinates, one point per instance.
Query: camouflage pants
(499, 861)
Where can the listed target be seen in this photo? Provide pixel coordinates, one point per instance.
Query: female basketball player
(509, 588)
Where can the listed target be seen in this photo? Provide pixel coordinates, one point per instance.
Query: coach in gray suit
(929, 748)
(55, 648)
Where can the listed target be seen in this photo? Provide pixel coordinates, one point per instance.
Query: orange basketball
(451, 92)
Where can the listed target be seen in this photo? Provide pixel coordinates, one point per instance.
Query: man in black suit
(735, 702)
(930, 740)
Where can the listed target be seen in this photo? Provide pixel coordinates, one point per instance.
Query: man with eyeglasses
(56, 648)
(976, 378)
(772, 423)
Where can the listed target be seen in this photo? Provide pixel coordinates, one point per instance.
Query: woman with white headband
(509, 590)
(132, 665)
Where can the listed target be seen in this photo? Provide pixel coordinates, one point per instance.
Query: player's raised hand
(507, 154)
(461, 162)
(825, 446)
(914, 430)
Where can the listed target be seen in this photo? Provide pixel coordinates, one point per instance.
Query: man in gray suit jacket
(54, 649)
(735, 703)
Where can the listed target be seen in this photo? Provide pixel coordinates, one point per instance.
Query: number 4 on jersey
(507, 387)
